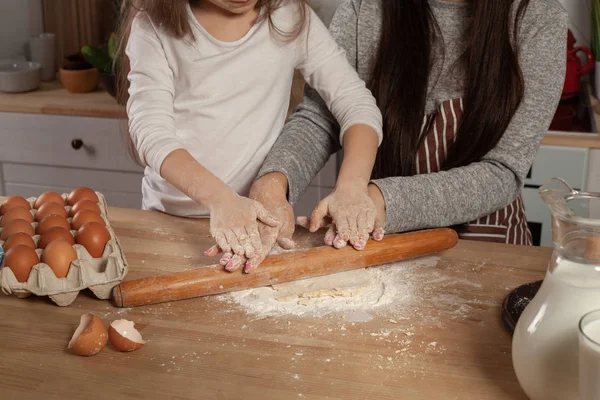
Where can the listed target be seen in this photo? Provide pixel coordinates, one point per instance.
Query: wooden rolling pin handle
(281, 268)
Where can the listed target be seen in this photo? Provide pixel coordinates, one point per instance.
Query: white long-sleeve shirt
(226, 102)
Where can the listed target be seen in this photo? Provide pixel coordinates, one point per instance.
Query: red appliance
(574, 67)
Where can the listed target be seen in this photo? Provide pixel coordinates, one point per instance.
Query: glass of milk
(589, 356)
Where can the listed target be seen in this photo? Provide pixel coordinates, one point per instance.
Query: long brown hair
(494, 86)
(172, 16)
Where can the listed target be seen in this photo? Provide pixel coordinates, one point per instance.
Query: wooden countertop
(452, 346)
(52, 98)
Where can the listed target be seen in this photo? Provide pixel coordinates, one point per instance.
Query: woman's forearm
(360, 151)
(186, 174)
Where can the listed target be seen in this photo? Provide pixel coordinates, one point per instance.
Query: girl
(467, 90)
(209, 88)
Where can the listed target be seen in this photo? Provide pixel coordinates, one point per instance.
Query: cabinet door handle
(76, 144)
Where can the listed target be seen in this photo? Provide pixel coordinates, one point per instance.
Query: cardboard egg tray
(99, 275)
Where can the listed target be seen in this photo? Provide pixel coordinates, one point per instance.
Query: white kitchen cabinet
(577, 166)
(41, 153)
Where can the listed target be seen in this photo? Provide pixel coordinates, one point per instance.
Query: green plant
(596, 28)
(100, 57)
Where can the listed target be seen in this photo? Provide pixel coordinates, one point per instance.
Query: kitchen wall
(580, 12)
(19, 19)
(325, 8)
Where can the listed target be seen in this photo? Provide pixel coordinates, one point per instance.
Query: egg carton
(100, 275)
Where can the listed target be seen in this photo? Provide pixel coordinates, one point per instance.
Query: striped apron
(507, 225)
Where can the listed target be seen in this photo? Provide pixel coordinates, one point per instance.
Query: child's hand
(234, 225)
(352, 212)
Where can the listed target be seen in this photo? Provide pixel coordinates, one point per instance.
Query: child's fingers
(245, 242)
(235, 263)
(213, 251)
(330, 235)
(353, 231)
(317, 216)
(342, 228)
(370, 224)
(339, 242)
(362, 232)
(378, 231)
(253, 263)
(225, 259)
(232, 239)
(254, 236)
(265, 216)
(221, 240)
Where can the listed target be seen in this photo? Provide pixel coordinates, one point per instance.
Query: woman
(467, 91)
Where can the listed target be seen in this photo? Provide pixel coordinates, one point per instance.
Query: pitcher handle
(590, 60)
(558, 184)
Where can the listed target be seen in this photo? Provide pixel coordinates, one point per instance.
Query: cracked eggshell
(90, 337)
(124, 337)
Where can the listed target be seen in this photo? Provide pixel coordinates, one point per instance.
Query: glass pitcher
(545, 341)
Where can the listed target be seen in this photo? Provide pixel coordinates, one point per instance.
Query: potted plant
(103, 58)
(77, 75)
(596, 41)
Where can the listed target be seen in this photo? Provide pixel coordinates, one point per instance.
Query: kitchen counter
(445, 340)
(53, 99)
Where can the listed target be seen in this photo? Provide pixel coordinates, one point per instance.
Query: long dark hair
(494, 86)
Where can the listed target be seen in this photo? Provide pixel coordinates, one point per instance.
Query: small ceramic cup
(43, 51)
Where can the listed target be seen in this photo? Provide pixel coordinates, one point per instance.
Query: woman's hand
(353, 215)
(234, 224)
(378, 225)
(270, 191)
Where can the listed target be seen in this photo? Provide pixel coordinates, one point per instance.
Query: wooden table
(453, 346)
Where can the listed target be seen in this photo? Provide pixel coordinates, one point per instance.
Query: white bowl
(21, 76)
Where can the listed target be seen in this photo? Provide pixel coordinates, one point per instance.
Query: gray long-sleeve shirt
(461, 194)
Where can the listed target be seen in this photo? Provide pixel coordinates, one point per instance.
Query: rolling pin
(281, 268)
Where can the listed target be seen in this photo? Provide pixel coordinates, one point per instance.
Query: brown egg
(50, 209)
(59, 255)
(93, 236)
(124, 337)
(50, 221)
(56, 233)
(16, 226)
(85, 216)
(84, 205)
(48, 197)
(21, 259)
(90, 337)
(82, 193)
(19, 239)
(16, 213)
(14, 202)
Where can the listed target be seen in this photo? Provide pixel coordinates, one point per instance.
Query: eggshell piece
(16, 226)
(17, 239)
(85, 216)
(21, 259)
(50, 221)
(56, 233)
(84, 205)
(50, 209)
(14, 202)
(82, 193)
(90, 337)
(16, 213)
(49, 197)
(124, 337)
(93, 236)
(59, 255)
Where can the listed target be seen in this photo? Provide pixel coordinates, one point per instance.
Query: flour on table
(353, 292)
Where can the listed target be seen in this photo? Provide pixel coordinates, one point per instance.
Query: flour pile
(354, 293)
